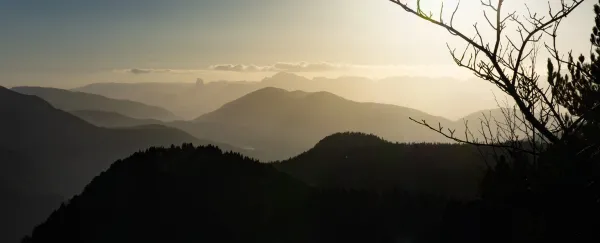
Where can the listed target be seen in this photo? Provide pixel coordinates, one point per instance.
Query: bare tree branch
(504, 66)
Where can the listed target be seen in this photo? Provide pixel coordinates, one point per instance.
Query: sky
(69, 43)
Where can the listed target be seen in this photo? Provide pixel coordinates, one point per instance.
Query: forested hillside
(189, 194)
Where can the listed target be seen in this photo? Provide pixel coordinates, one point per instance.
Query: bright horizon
(68, 44)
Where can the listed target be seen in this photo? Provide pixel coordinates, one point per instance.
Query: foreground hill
(188, 194)
(73, 101)
(284, 123)
(361, 161)
(47, 151)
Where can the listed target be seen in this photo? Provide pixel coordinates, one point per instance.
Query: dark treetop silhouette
(188, 194)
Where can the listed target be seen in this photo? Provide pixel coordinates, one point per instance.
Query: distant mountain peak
(324, 95)
(497, 113)
(271, 94)
(349, 139)
(269, 90)
(284, 77)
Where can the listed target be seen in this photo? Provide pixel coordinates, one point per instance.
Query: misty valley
(60, 140)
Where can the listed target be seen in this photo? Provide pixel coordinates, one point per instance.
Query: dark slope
(23, 203)
(187, 194)
(286, 123)
(361, 161)
(111, 119)
(20, 212)
(55, 141)
(72, 101)
(65, 150)
(47, 151)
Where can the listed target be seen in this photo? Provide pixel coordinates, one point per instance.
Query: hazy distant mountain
(111, 119)
(187, 194)
(47, 151)
(187, 100)
(361, 161)
(498, 114)
(284, 124)
(447, 97)
(502, 123)
(73, 101)
(281, 124)
(441, 96)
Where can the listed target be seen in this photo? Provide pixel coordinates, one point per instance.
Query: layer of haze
(67, 43)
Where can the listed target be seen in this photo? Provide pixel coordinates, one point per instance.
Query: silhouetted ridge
(200, 194)
(266, 91)
(364, 161)
(348, 140)
(265, 96)
(284, 77)
(7, 95)
(324, 96)
(73, 100)
(270, 96)
(154, 126)
(270, 92)
(201, 191)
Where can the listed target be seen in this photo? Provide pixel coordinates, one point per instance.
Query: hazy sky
(74, 42)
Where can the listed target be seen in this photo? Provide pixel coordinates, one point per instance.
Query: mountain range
(440, 96)
(186, 100)
(282, 123)
(285, 123)
(75, 101)
(52, 148)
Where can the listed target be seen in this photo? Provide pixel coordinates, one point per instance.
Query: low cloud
(152, 70)
(313, 68)
(141, 71)
(241, 68)
(297, 67)
(283, 67)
